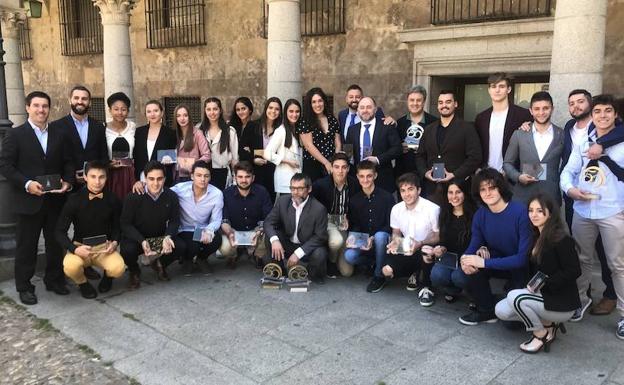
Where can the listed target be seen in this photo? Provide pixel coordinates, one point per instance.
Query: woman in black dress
(320, 134)
(240, 119)
(270, 119)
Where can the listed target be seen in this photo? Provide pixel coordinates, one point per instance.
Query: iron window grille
(81, 28)
(476, 11)
(175, 23)
(192, 102)
(98, 109)
(24, 39)
(317, 17)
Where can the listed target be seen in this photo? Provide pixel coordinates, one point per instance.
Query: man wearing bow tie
(95, 215)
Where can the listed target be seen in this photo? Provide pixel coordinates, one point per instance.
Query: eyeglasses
(293, 188)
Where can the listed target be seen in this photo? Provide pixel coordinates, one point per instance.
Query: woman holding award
(120, 142)
(192, 145)
(283, 148)
(551, 296)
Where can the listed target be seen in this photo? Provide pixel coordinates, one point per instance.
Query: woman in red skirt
(120, 142)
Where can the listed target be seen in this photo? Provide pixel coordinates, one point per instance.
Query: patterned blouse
(324, 142)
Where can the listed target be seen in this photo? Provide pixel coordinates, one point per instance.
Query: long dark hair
(187, 137)
(224, 142)
(554, 229)
(308, 113)
(263, 118)
(290, 128)
(469, 208)
(235, 121)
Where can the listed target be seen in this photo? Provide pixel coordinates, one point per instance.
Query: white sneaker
(426, 297)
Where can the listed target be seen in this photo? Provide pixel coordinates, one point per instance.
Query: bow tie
(94, 196)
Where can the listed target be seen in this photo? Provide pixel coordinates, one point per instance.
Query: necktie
(96, 196)
(351, 123)
(366, 142)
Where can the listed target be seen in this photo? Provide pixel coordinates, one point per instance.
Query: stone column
(284, 50)
(14, 79)
(577, 52)
(117, 54)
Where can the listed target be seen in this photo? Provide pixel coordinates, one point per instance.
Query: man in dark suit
(496, 124)
(375, 141)
(31, 150)
(296, 229)
(86, 136)
(450, 141)
(348, 117)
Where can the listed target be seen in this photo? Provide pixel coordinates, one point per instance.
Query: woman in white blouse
(120, 143)
(222, 140)
(283, 148)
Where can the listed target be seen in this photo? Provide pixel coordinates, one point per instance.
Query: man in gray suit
(296, 228)
(532, 158)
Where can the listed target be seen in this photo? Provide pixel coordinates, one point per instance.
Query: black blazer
(407, 161)
(460, 151)
(386, 147)
(245, 140)
(560, 262)
(95, 148)
(312, 229)
(22, 159)
(166, 141)
(323, 191)
(515, 117)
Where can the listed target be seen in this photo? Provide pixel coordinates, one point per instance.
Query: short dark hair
(301, 176)
(499, 77)
(153, 165)
(118, 97)
(37, 94)
(96, 165)
(605, 99)
(366, 165)
(490, 175)
(79, 87)
(408, 178)
(355, 87)
(243, 166)
(541, 96)
(200, 164)
(339, 156)
(582, 91)
(445, 92)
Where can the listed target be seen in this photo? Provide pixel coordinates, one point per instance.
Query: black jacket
(95, 148)
(22, 159)
(323, 191)
(407, 161)
(166, 141)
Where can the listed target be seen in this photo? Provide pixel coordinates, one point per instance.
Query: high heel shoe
(544, 343)
(552, 330)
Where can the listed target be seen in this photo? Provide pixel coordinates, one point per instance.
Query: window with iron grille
(318, 17)
(192, 102)
(476, 11)
(98, 109)
(175, 23)
(81, 28)
(24, 39)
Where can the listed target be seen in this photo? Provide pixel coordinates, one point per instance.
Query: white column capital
(115, 11)
(11, 19)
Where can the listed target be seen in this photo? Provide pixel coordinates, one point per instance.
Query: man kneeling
(95, 216)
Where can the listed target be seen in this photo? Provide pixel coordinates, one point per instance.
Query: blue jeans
(452, 280)
(363, 257)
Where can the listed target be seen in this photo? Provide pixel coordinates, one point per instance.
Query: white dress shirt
(497, 133)
(542, 140)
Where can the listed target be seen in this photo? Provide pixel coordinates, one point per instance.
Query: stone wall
(233, 62)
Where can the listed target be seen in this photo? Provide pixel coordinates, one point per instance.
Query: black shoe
(188, 267)
(160, 271)
(319, 280)
(332, 270)
(475, 318)
(58, 288)
(376, 285)
(105, 284)
(87, 290)
(259, 263)
(91, 273)
(204, 266)
(28, 298)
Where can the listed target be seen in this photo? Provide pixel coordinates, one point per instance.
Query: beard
(74, 108)
(581, 116)
(446, 113)
(353, 105)
(244, 187)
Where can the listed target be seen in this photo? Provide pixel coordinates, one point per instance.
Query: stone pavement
(225, 329)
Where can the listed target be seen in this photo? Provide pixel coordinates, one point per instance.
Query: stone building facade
(387, 45)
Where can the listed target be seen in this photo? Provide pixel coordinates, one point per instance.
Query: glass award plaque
(340, 220)
(366, 152)
(357, 240)
(50, 182)
(438, 171)
(259, 153)
(94, 241)
(537, 282)
(448, 259)
(348, 150)
(167, 156)
(118, 155)
(244, 238)
(536, 170)
(156, 244)
(413, 135)
(404, 245)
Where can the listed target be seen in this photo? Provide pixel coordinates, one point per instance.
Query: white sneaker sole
(468, 323)
(583, 310)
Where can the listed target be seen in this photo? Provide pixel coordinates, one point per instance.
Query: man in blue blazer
(348, 117)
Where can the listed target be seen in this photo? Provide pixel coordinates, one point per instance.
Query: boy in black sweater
(154, 214)
(95, 215)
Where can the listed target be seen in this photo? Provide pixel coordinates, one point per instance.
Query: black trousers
(315, 262)
(406, 265)
(28, 229)
(130, 250)
(479, 286)
(193, 248)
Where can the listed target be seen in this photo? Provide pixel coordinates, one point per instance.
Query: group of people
(444, 202)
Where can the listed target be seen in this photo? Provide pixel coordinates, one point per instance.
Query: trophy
(49, 182)
(536, 170)
(244, 238)
(156, 246)
(438, 171)
(448, 259)
(348, 150)
(297, 281)
(595, 176)
(357, 240)
(167, 156)
(272, 276)
(94, 241)
(403, 245)
(413, 135)
(537, 282)
(366, 152)
(340, 220)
